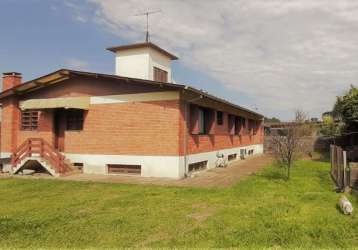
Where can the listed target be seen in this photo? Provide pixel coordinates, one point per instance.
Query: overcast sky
(274, 56)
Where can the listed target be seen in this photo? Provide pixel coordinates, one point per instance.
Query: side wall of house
(205, 147)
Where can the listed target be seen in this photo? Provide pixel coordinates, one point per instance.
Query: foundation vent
(232, 157)
(124, 169)
(198, 166)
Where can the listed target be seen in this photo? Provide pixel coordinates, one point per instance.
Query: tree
(272, 120)
(289, 145)
(331, 128)
(346, 109)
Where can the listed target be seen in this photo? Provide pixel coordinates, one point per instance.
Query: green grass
(262, 211)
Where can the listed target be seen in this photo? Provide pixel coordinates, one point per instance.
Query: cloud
(281, 54)
(77, 64)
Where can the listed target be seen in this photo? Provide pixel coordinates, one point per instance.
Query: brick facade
(9, 125)
(157, 128)
(146, 128)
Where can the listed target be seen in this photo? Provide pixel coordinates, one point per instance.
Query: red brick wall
(205, 143)
(45, 129)
(138, 128)
(9, 124)
(142, 128)
(220, 140)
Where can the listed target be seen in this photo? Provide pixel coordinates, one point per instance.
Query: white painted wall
(133, 63)
(160, 61)
(211, 156)
(154, 166)
(5, 154)
(139, 63)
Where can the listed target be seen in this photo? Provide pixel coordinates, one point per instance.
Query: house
(136, 121)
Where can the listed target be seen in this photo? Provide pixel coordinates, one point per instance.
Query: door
(59, 129)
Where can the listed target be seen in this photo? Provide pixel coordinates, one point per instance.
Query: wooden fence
(338, 166)
(343, 172)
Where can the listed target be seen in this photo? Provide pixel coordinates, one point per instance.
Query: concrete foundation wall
(155, 166)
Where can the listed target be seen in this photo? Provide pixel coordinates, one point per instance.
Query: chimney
(10, 80)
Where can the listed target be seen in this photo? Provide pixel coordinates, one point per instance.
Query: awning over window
(51, 103)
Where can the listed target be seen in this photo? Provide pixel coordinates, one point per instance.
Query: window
(197, 166)
(251, 126)
(160, 75)
(244, 124)
(78, 165)
(231, 157)
(257, 127)
(240, 125)
(124, 169)
(29, 120)
(202, 126)
(219, 117)
(242, 153)
(231, 124)
(74, 119)
(202, 120)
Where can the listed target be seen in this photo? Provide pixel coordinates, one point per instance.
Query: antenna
(147, 38)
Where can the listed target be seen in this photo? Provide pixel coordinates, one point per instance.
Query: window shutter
(211, 121)
(239, 125)
(194, 119)
(258, 127)
(231, 124)
(160, 75)
(251, 126)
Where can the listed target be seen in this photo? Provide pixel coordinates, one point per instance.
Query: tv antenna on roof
(147, 38)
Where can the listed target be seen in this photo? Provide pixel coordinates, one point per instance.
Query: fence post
(332, 158)
(344, 169)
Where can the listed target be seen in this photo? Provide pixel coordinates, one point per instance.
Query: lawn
(262, 211)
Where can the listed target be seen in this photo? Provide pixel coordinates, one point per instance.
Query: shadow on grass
(324, 176)
(274, 175)
(354, 194)
(321, 156)
(277, 172)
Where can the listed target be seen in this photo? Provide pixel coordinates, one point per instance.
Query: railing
(40, 147)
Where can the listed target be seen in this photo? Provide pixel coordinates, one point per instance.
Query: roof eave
(64, 74)
(115, 49)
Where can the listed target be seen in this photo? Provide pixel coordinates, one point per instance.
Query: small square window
(160, 75)
(74, 119)
(29, 120)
